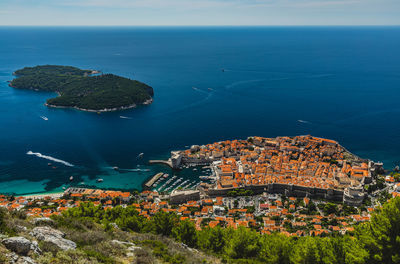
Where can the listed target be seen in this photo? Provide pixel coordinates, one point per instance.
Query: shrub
(18, 214)
(4, 220)
(90, 237)
(67, 257)
(99, 256)
(143, 257)
(48, 247)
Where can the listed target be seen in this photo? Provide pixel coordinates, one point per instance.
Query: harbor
(153, 179)
(164, 162)
(186, 178)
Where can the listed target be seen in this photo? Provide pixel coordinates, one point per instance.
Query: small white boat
(99, 180)
(124, 117)
(71, 178)
(115, 168)
(44, 118)
(140, 155)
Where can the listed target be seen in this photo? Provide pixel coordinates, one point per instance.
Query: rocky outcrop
(15, 259)
(131, 251)
(42, 232)
(131, 247)
(42, 221)
(25, 260)
(53, 236)
(19, 245)
(35, 248)
(20, 228)
(122, 243)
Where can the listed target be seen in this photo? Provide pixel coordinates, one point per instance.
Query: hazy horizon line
(304, 25)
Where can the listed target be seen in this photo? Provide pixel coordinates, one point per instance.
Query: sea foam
(40, 155)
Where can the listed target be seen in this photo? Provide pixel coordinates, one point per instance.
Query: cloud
(298, 3)
(327, 3)
(197, 4)
(153, 4)
(201, 12)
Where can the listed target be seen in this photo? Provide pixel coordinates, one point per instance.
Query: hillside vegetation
(77, 88)
(165, 239)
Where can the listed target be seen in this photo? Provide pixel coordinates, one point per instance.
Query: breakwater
(152, 180)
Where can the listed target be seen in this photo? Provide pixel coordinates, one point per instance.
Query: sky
(199, 12)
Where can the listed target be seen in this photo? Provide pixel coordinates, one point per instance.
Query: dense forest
(52, 69)
(77, 88)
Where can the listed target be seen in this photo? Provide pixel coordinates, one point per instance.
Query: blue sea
(210, 84)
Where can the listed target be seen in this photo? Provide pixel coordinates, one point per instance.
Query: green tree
(245, 243)
(163, 223)
(3, 226)
(214, 239)
(130, 222)
(186, 232)
(347, 250)
(312, 250)
(381, 236)
(275, 248)
(330, 208)
(311, 208)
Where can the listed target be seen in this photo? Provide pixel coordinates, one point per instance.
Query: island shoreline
(96, 106)
(147, 102)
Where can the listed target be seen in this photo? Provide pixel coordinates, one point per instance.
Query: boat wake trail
(239, 83)
(126, 170)
(303, 121)
(135, 170)
(40, 155)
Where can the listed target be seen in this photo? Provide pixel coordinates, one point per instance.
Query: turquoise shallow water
(342, 83)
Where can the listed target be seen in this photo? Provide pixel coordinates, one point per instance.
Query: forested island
(86, 90)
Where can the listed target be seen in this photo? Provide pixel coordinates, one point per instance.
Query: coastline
(54, 195)
(92, 72)
(147, 102)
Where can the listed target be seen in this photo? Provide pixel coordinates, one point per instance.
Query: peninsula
(85, 90)
(301, 166)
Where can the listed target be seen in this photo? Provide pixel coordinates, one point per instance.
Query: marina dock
(153, 179)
